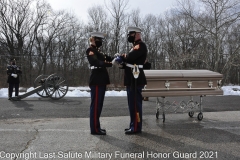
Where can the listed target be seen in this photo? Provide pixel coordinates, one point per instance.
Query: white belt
(93, 67)
(132, 66)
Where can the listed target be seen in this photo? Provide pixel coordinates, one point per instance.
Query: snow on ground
(231, 90)
(84, 92)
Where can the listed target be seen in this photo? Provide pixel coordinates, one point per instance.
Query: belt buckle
(135, 71)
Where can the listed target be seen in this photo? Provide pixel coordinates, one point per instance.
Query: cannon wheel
(41, 93)
(56, 86)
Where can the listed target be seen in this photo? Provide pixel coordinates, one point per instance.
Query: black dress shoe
(103, 130)
(131, 132)
(98, 133)
(126, 129)
(10, 98)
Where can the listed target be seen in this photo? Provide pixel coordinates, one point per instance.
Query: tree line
(202, 34)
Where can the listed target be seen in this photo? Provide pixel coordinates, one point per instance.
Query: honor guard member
(99, 78)
(134, 78)
(13, 72)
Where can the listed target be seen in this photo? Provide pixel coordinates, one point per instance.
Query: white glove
(14, 75)
(116, 55)
(114, 62)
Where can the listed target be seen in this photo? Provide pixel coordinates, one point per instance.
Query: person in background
(13, 72)
(99, 78)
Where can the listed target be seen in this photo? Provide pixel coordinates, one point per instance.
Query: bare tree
(98, 18)
(135, 17)
(217, 19)
(18, 23)
(117, 9)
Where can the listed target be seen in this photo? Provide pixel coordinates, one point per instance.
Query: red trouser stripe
(96, 109)
(136, 117)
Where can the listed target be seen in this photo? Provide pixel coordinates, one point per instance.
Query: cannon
(53, 86)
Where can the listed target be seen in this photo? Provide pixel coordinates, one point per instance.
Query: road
(67, 107)
(59, 130)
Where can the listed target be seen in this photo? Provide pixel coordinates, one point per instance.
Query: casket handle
(145, 87)
(210, 84)
(219, 83)
(189, 84)
(167, 84)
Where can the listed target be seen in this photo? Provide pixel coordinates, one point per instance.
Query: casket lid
(156, 74)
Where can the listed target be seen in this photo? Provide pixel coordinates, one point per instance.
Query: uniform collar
(93, 46)
(137, 42)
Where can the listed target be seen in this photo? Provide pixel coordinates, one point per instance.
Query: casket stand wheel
(200, 116)
(190, 105)
(163, 117)
(56, 86)
(40, 81)
(157, 114)
(191, 114)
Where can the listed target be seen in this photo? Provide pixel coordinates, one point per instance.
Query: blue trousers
(135, 107)
(10, 89)
(97, 98)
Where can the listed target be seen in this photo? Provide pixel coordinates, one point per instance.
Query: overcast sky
(80, 7)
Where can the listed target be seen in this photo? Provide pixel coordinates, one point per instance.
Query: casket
(164, 83)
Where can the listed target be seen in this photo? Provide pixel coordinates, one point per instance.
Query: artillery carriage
(53, 86)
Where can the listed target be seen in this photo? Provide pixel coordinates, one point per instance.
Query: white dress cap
(134, 29)
(98, 34)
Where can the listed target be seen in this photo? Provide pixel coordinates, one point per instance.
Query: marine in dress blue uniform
(134, 78)
(13, 72)
(99, 78)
